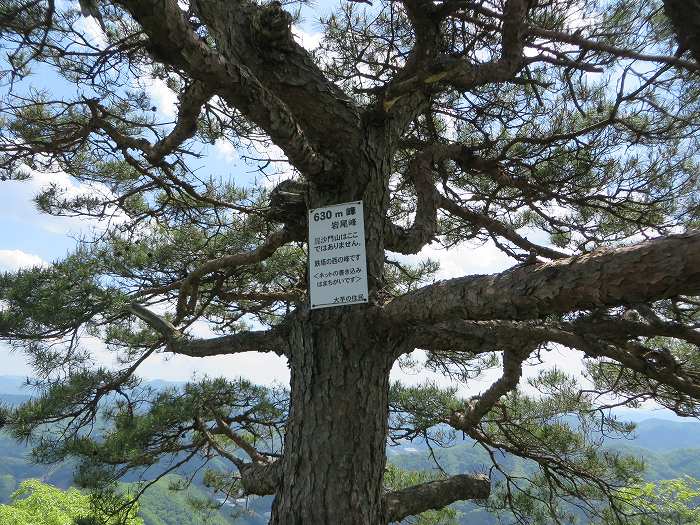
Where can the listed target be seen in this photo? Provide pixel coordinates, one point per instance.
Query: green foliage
(36, 503)
(162, 506)
(666, 502)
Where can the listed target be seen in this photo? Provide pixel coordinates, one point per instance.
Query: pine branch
(603, 278)
(272, 340)
(435, 495)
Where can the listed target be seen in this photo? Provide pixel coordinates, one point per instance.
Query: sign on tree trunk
(337, 260)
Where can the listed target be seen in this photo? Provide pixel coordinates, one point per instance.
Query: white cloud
(16, 202)
(224, 149)
(13, 260)
(265, 369)
(14, 362)
(92, 31)
(164, 98)
(309, 41)
(279, 168)
(465, 259)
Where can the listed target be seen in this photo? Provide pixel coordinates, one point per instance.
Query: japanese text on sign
(337, 259)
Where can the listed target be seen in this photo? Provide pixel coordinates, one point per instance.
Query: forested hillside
(670, 449)
(161, 506)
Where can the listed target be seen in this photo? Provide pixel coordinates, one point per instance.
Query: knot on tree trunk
(288, 205)
(272, 26)
(259, 478)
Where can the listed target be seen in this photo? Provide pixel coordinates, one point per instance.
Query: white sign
(337, 258)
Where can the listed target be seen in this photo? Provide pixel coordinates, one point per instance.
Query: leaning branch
(497, 228)
(614, 340)
(435, 495)
(191, 102)
(478, 406)
(632, 356)
(171, 40)
(592, 45)
(605, 278)
(178, 343)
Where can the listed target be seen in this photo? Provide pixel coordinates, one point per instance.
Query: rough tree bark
(340, 359)
(338, 422)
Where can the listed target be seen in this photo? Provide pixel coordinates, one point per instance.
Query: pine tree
(562, 132)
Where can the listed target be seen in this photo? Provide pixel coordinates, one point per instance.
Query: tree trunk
(340, 359)
(335, 442)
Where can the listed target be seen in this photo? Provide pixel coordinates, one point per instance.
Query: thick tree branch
(260, 38)
(272, 340)
(172, 41)
(478, 406)
(634, 357)
(600, 279)
(240, 442)
(261, 479)
(191, 102)
(211, 439)
(474, 337)
(621, 329)
(435, 495)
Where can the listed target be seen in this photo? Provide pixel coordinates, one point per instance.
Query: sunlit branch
(435, 495)
(272, 340)
(599, 279)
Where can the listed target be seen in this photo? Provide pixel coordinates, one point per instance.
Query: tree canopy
(36, 503)
(563, 133)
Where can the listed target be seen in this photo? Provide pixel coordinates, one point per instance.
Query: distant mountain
(13, 399)
(161, 384)
(669, 445)
(17, 385)
(663, 435)
(642, 414)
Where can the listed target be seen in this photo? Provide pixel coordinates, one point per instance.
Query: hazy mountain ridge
(670, 447)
